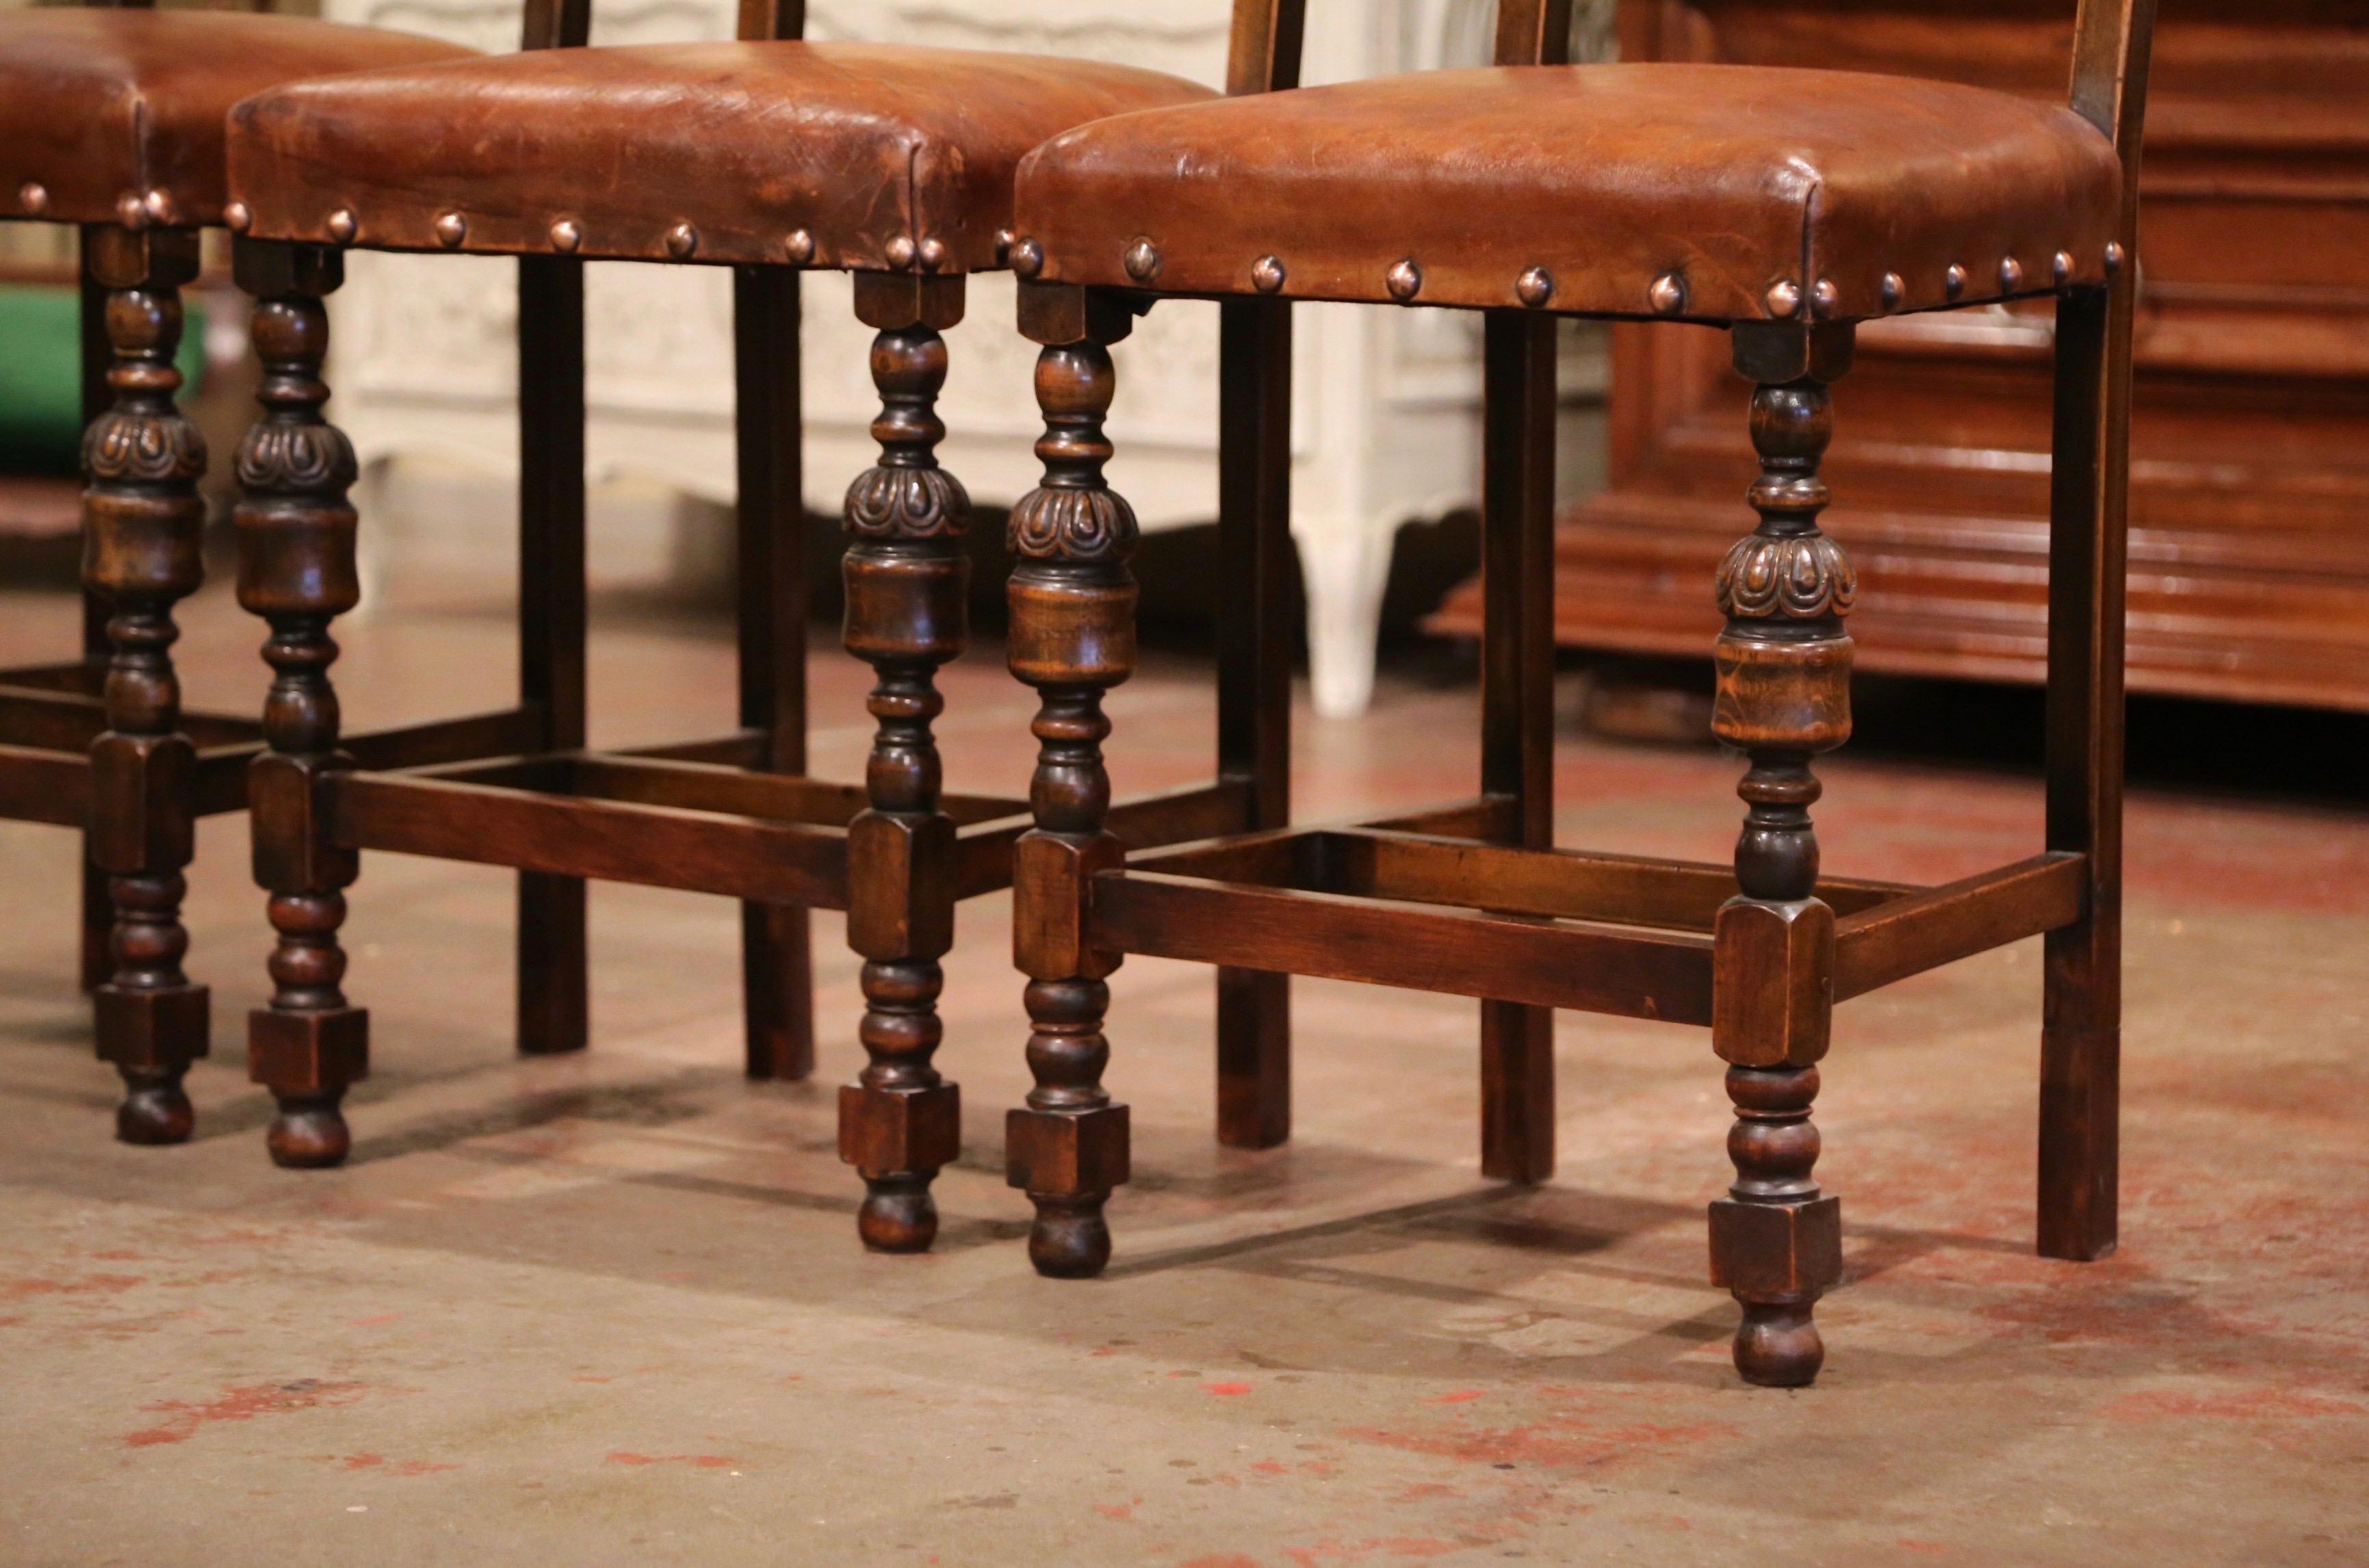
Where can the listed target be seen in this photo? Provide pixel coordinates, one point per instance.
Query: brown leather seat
(115, 116)
(1716, 192)
(842, 154)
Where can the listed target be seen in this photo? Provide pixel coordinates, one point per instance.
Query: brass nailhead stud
(236, 218)
(1954, 281)
(1825, 297)
(567, 233)
(35, 197)
(344, 226)
(2060, 268)
(1267, 274)
(158, 205)
(1027, 257)
(1404, 279)
(932, 254)
(680, 241)
(451, 230)
(799, 245)
(1535, 287)
(130, 211)
(1142, 261)
(1890, 290)
(2011, 275)
(902, 250)
(2114, 257)
(1003, 238)
(1667, 294)
(1784, 298)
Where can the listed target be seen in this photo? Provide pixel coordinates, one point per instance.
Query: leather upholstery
(881, 156)
(1732, 179)
(115, 116)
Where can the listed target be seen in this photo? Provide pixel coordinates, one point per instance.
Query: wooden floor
(610, 1308)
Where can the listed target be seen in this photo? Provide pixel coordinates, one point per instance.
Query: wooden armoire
(2250, 488)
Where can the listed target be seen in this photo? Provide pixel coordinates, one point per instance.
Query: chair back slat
(1533, 32)
(1262, 56)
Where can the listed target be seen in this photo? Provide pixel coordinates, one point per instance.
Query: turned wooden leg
(2080, 1042)
(1784, 696)
(143, 533)
(296, 570)
(1072, 638)
(908, 582)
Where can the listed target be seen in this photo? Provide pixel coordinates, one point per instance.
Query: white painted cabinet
(1386, 403)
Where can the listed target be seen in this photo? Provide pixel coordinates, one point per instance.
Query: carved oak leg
(296, 570)
(1072, 638)
(1783, 697)
(908, 581)
(143, 533)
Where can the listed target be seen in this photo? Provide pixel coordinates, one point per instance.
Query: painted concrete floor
(610, 1308)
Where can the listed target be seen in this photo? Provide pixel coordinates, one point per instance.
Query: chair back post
(772, 21)
(1533, 32)
(556, 24)
(1263, 54)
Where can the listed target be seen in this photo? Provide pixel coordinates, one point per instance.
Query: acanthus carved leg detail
(907, 585)
(143, 526)
(1783, 697)
(296, 570)
(1072, 638)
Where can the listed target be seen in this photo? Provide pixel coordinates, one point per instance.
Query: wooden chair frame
(1472, 899)
(101, 742)
(734, 815)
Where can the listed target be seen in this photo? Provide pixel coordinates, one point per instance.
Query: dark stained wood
(908, 582)
(1783, 697)
(1255, 629)
(554, 984)
(1489, 817)
(743, 749)
(296, 570)
(38, 784)
(1905, 936)
(1517, 1093)
(1562, 884)
(1072, 637)
(751, 858)
(1629, 971)
(70, 721)
(777, 966)
(443, 739)
(144, 528)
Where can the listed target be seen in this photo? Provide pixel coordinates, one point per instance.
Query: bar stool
(111, 119)
(1784, 206)
(772, 156)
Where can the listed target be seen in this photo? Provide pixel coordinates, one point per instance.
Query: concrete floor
(610, 1309)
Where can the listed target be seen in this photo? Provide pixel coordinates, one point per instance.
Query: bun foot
(899, 1215)
(155, 1111)
(1778, 1347)
(1070, 1240)
(309, 1133)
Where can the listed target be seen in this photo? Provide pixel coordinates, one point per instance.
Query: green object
(40, 376)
